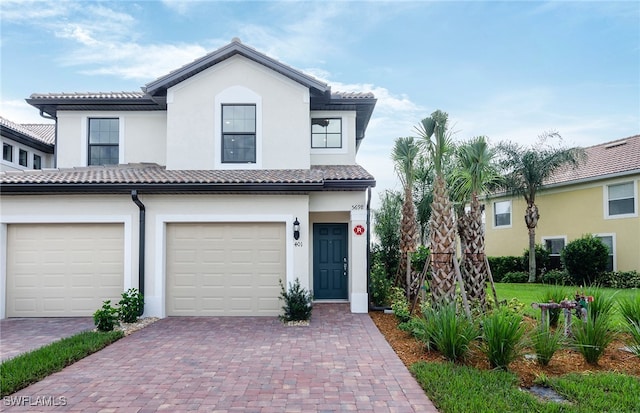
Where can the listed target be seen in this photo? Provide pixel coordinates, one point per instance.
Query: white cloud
(19, 111)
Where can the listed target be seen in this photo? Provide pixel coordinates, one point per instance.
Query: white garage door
(63, 270)
(224, 268)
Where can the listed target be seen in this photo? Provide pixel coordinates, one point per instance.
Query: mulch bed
(564, 361)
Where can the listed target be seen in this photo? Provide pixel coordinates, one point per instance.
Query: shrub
(502, 265)
(419, 257)
(620, 279)
(400, 305)
(380, 286)
(592, 337)
(556, 277)
(633, 328)
(630, 309)
(502, 334)
(131, 305)
(553, 294)
(585, 259)
(297, 302)
(546, 342)
(106, 318)
(542, 260)
(515, 277)
(448, 332)
(602, 304)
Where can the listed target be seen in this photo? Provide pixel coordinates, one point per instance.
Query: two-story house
(26, 146)
(599, 197)
(205, 190)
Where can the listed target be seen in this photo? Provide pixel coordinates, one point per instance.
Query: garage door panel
(58, 270)
(231, 262)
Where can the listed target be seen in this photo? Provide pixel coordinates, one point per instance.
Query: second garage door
(224, 268)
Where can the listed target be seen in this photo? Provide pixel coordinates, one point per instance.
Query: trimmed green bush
(515, 277)
(502, 334)
(502, 265)
(380, 286)
(542, 260)
(131, 306)
(106, 318)
(620, 279)
(297, 302)
(585, 259)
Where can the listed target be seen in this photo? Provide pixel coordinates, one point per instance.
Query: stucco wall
(337, 156)
(571, 212)
(46, 158)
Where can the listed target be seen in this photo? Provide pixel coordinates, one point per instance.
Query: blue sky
(507, 70)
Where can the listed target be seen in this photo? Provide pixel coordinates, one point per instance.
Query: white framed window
(23, 157)
(37, 161)
(610, 241)
(103, 141)
(7, 152)
(555, 245)
(326, 132)
(621, 200)
(502, 214)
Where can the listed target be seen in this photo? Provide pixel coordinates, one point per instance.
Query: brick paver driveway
(340, 362)
(19, 335)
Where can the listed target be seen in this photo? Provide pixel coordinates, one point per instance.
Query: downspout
(141, 245)
(55, 136)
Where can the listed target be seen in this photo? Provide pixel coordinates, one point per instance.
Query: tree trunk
(531, 219)
(442, 234)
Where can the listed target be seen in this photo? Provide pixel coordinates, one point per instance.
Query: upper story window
(7, 152)
(502, 214)
(621, 200)
(104, 139)
(326, 133)
(23, 157)
(37, 161)
(238, 133)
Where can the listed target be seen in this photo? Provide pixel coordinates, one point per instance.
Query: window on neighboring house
(23, 157)
(608, 241)
(37, 161)
(555, 247)
(238, 133)
(621, 199)
(502, 214)
(104, 140)
(7, 152)
(326, 133)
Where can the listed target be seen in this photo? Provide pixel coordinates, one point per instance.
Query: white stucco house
(26, 146)
(204, 190)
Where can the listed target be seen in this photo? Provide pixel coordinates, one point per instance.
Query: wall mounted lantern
(296, 229)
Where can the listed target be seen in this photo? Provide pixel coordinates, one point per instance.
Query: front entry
(330, 266)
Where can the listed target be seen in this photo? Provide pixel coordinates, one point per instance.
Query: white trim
(345, 121)
(237, 95)
(359, 302)
(493, 213)
(155, 305)
(56, 219)
(605, 199)
(84, 125)
(613, 246)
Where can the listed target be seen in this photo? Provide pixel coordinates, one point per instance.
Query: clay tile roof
(41, 132)
(352, 95)
(607, 159)
(156, 174)
(89, 95)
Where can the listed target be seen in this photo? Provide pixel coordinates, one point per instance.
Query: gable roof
(159, 86)
(154, 178)
(606, 160)
(35, 135)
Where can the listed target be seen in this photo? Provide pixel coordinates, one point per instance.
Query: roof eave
(26, 140)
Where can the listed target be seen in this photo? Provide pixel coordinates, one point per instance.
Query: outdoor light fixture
(296, 229)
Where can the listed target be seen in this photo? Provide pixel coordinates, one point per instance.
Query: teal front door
(330, 266)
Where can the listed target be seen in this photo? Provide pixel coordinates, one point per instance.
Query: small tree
(585, 259)
(297, 302)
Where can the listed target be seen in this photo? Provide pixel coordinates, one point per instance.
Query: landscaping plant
(131, 306)
(585, 259)
(449, 332)
(546, 342)
(380, 285)
(502, 334)
(592, 337)
(400, 305)
(106, 318)
(630, 310)
(297, 302)
(602, 304)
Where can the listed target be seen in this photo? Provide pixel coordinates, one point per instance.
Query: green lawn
(532, 293)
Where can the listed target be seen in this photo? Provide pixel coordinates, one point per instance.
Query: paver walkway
(341, 362)
(19, 335)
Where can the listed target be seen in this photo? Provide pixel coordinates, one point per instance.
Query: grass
(25, 369)
(470, 390)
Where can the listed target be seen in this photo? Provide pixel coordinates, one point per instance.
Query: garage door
(224, 268)
(63, 270)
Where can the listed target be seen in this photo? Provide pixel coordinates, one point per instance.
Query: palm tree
(404, 155)
(433, 134)
(423, 197)
(526, 170)
(475, 174)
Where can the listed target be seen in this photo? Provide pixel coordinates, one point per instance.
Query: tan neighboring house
(26, 146)
(205, 190)
(600, 197)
